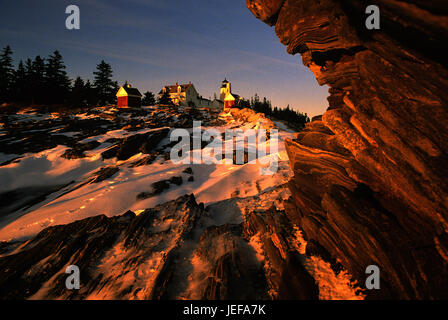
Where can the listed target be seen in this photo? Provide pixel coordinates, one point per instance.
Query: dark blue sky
(151, 43)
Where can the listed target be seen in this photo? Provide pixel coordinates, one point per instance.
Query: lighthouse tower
(226, 88)
(230, 99)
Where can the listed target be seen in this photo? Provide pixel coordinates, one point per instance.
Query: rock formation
(370, 179)
(171, 251)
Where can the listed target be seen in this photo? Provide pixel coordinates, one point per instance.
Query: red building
(230, 99)
(128, 97)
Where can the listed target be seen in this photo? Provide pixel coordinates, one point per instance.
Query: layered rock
(121, 257)
(370, 179)
(144, 143)
(172, 251)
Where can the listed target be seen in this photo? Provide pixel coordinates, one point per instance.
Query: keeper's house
(128, 97)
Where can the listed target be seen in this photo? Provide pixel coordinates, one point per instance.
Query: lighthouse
(226, 88)
(227, 96)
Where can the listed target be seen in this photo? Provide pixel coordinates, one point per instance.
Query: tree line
(292, 117)
(45, 81)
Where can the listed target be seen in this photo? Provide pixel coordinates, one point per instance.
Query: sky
(152, 43)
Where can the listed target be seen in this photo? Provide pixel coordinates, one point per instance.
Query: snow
(283, 126)
(7, 157)
(331, 286)
(212, 183)
(229, 192)
(45, 168)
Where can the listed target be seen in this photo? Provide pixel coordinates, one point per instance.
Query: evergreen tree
(115, 89)
(165, 98)
(292, 117)
(29, 72)
(245, 103)
(106, 88)
(78, 94)
(90, 94)
(6, 74)
(20, 92)
(37, 80)
(28, 67)
(57, 82)
(148, 99)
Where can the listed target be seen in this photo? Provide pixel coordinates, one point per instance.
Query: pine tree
(20, 92)
(57, 82)
(115, 88)
(37, 80)
(78, 96)
(106, 88)
(90, 94)
(148, 99)
(6, 74)
(29, 72)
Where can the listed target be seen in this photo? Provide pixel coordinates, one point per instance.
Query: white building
(187, 95)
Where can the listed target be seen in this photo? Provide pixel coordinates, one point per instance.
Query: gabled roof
(173, 88)
(133, 92)
(232, 95)
(130, 91)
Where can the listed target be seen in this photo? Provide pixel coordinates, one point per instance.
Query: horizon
(150, 45)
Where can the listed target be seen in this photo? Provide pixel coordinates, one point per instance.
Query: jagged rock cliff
(370, 179)
(171, 251)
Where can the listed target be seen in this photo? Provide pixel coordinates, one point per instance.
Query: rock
(24, 198)
(188, 170)
(176, 180)
(144, 143)
(104, 174)
(145, 161)
(73, 154)
(248, 116)
(84, 243)
(190, 178)
(14, 160)
(234, 272)
(286, 276)
(266, 11)
(157, 188)
(160, 186)
(78, 150)
(32, 142)
(8, 246)
(110, 153)
(370, 176)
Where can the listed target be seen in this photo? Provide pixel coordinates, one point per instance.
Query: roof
(133, 92)
(173, 88)
(234, 95)
(225, 81)
(130, 91)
